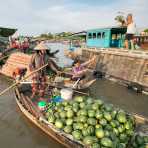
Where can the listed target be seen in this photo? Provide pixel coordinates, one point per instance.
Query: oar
(30, 82)
(13, 85)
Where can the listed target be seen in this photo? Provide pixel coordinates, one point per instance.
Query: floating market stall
(82, 121)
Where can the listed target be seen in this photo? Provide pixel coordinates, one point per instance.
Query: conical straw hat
(41, 46)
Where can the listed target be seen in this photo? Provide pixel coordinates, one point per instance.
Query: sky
(33, 17)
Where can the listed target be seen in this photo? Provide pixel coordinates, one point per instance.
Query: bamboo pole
(16, 83)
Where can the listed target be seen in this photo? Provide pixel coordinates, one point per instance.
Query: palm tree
(120, 18)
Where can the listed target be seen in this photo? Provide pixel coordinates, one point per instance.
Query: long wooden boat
(31, 111)
(37, 118)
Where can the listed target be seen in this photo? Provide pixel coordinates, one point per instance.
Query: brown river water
(16, 131)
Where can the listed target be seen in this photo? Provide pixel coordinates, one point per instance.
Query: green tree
(120, 18)
(146, 30)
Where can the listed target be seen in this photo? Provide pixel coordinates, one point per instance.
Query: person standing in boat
(131, 30)
(25, 45)
(39, 59)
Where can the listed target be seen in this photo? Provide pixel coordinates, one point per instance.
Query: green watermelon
(83, 112)
(106, 142)
(99, 102)
(67, 108)
(88, 140)
(108, 107)
(51, 118)
(99, 114)
(69, 121)
(82, 119)
(95, 145)
(63, 114)
(59, 124)
(77, 135)
(95, 106)
(91, 130)
(107, 116)
(89, 100)
(82, 105)
(103, 122)
(121, 117)
(91, 121)
(65, 103)
(85, 132)
(69, 113)
(91, 113)
(79, 99)
(68, 129)
(99, 133)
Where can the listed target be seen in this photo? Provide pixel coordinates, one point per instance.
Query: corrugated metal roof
(6, 32)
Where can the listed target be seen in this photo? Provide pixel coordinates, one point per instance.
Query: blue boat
(106, 37)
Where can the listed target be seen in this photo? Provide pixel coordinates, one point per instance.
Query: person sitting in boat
(19, 73)
(39, 59)
(79, 70)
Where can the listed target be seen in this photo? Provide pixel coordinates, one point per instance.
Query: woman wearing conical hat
(39, 59)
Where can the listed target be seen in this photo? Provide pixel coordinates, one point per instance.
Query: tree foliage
(146, 30)
(120, 19)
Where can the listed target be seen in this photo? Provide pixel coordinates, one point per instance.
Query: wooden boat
(30, 110)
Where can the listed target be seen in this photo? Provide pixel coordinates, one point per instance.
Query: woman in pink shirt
(79, 70)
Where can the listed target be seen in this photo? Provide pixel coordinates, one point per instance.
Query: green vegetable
(68, 129)
(91, 113)
(79, 99)
(59, 124)
(91, 130)
(99, 133)
(91, 121)
(107, 116)
(88, 140)
(99, 114)
(69, 121)
(69, 113)
(82, 105)
(63, 114)
(95, 145)
(51, 118)
(121, 117)
(82, 119)
(95, 106)
(106, 142)
(77, 135)
(103, 122)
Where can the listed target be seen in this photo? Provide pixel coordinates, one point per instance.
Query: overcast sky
(32, 17)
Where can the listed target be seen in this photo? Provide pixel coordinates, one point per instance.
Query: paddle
(13, 85)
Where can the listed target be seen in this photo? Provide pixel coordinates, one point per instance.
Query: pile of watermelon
(139, 141)
(92, 122)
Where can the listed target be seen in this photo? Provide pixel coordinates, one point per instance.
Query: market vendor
(39, 59)
(79, 70)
